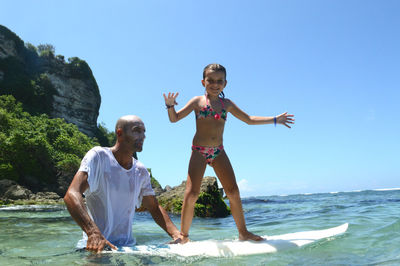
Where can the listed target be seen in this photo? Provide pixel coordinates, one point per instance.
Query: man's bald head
(126, 122)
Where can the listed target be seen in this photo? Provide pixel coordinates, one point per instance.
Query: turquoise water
(47, 235)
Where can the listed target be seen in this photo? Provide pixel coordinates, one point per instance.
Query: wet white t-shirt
(113, 194)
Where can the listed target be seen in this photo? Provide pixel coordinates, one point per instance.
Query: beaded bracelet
(169, 106)
(274, 120)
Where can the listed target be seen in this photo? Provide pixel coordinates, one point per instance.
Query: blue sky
(335, 65)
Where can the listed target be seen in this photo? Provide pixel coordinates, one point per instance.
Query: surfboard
(229, 248)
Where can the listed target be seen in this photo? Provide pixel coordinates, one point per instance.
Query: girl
(211, 112)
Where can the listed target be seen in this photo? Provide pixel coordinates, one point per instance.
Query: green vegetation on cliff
(154, 182)
(34, 90)
(105, 137)
(36, 150)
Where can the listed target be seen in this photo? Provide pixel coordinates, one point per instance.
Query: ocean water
(32, 235)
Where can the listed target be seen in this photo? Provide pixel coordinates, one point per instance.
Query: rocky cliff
(45, 83)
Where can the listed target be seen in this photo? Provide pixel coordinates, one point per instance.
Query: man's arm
(74, 201)
(160, 216)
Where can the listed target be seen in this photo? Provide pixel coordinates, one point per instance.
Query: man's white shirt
(113, 194)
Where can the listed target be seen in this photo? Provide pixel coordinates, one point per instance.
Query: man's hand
(96, 242)
(160, 216)
(74, 202)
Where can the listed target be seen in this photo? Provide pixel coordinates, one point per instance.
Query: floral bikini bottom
(209, 153)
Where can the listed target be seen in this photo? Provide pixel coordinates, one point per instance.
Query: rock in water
(209, 204)
(5, 184)
(17, 192)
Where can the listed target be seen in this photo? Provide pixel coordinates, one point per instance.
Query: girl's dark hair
(215, 68)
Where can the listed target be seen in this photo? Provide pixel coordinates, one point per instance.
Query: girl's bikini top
(207, 111)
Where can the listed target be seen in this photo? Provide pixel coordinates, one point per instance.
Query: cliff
(46, 83)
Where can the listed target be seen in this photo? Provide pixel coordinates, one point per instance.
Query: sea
(47, 235)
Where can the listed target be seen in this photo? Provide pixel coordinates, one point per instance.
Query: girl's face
(214, 82)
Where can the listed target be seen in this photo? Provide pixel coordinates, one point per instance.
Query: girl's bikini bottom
(209, 153)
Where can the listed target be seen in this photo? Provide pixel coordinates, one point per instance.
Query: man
(114, 183)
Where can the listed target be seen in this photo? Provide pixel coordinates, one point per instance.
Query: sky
(335, 65)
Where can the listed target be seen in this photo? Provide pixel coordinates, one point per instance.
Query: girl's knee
(232, 191)
(192, 194)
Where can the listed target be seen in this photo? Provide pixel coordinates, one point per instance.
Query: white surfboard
(227, 248)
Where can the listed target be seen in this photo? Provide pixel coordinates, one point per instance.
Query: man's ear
(119, 132)
(203, 82)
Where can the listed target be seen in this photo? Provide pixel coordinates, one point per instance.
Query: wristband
(274, 120)
(182, 234)
(169, 106)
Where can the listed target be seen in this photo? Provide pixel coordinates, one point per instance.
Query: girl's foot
(181, 240)
(249, 236)
(184, 240)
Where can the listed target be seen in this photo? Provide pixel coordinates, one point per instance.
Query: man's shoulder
(141, 168)
(97, 153)
(98, 150)
(139, 165)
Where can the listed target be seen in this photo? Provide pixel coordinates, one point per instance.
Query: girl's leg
(197, 167)
(223, 169)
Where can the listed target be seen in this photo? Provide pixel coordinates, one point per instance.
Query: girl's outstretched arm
(170, 102)
(283, 119)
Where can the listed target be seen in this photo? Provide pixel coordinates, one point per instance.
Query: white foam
(385, 189)
(30, 207)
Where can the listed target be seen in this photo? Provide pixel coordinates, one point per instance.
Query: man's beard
(138, 146)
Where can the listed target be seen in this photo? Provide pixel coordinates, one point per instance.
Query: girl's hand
(171, 98)
(285, 119)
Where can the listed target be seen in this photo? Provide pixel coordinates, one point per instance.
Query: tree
(46, 47)
(36, 151)
(47, 50)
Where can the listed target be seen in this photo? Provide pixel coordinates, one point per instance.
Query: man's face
(135, 135)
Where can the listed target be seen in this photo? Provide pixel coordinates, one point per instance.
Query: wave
(263, 200)
(385, 189)
(34, 208)
(338, 192)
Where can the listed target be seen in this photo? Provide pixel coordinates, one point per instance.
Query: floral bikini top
(207, 111)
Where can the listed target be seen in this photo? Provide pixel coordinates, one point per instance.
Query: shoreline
(20, 202)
